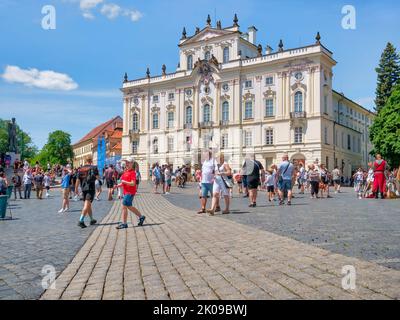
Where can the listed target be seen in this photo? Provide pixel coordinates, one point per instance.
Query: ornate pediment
(188, 102)
(269, 93)
(155, 109)
(207, 34)
(170, 107)
(249, 96)
(299, 85)
(135, 109)
(225, 97)
(207, 100)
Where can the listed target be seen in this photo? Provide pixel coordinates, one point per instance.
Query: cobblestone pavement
(180, 255)
(368, 229)
(37, 237)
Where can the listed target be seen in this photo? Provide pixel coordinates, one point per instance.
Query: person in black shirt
(255, 173)
(87, 177)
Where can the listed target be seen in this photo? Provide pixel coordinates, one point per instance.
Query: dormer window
(207, 56)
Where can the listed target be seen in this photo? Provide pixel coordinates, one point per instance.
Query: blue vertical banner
(101, 154)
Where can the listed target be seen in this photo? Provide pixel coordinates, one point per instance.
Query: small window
(171, 146)
(348, 142)
(207, 56)
(189, 115)
(298, 102)
(155, 99)
(226, 55)
(298, 135)
(248, 110)
(135, 122)
(206, 141)
(269, 137)
(248, 139)
(269, 108)
(171, 96)
(190, 62)
(224, 141)
(135, 147)
(155, 120)
(225, 111)
(326, 135)
(269, 81)
(170, 119)
(248, 84)
(206, 113)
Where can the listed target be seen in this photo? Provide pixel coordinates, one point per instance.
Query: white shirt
(207, 171)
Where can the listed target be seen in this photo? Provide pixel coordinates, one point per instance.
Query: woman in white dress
(221, 184)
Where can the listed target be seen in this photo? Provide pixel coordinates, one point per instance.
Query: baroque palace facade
(231, 95)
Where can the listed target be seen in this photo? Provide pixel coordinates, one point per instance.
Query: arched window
(189, 115)
(298, 102)
(155, 120)
(135, 122)
(226, 55)
(207, 56)
(248, 110)
(190, 62)
(207, 113)
(155, 145)
(225, 111)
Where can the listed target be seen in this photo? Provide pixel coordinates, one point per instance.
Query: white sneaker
(61, 210)
(66, 210)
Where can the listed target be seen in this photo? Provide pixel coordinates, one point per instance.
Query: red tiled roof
(100, 129)
(117, 134)
(118, 146)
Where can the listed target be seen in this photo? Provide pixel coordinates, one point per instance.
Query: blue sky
(92, 47)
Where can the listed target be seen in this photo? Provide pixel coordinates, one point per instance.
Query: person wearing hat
(128, 184)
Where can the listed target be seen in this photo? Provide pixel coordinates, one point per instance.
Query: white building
(227, 93)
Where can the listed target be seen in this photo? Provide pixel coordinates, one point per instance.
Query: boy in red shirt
(128, 184)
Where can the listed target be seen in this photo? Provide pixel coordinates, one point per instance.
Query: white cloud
(47, 79)
(89, 4)
(111, 11)
(88, 15)
(134, 15)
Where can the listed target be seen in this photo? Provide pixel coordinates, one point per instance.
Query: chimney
(252, 31)
(268, 50)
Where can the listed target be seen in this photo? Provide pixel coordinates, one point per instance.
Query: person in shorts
(128, 184)
(270, 184)
(207, 180)
(87, 178)
(255, 173)
(109, 175)
(285, 176)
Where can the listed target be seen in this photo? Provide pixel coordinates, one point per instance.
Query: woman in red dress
(379, 177)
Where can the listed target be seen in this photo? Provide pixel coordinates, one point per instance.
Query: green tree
(385, 131)
(58, 149)
(24, 142)
(388, 75)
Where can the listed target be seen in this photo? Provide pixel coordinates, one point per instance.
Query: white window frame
(245, 110)
(266, 115)
(269, 137)
(224, 111)
(298, 135)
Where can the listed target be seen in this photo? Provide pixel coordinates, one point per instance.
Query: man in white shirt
(207, 179)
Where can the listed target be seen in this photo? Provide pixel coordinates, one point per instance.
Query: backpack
(87, 176)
